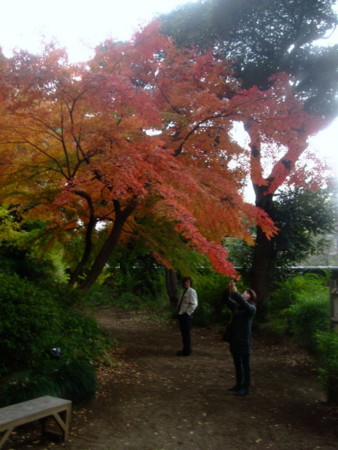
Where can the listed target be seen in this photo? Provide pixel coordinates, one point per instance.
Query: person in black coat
(243, 310)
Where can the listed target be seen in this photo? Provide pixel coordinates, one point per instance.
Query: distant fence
(321, 270)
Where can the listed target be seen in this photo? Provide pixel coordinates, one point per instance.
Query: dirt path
(157, 400)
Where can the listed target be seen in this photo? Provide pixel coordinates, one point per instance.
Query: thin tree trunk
(108, 247)
(79, 269)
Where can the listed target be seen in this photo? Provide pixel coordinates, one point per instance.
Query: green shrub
(210, 288)
(26, 385)
(299, 306)
(29, 320)
(327, 352)
(129, 295)
(307, 317)
(19, 261)
(81, 338)
(203, 314)
(129, 301)
(100, 295)
(74, 381)
(133, 270)
(288, 291)
(33, 320)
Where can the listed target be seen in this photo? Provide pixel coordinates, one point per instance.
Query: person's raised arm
(226, 296)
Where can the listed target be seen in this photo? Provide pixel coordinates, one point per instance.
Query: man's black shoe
(242, 392)
(181, 353)
(235, 388)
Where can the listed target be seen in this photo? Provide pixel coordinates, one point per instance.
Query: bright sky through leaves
(80, 25)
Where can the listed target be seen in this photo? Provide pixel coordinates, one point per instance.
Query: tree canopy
(266, 37)
(138, 137)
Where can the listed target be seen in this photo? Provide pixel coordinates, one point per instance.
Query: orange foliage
(141, 129)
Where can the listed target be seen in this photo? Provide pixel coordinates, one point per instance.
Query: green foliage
(300, 306)
(19, 261)
(27, 249)
(241, 254)
(124, 297)
(210, 286)
(26, 385)
(134, 280)
(307, 317)
(159, 237)
(74, 381)
(303, 217)
(28, 320)
(327, 353)
(128, 294)
(80, 338)
(293, 288)
(33, 320)
(204, 313)
(8, 224)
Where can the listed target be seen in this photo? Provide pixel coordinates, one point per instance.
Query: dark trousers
(243, 370)
(185, 321)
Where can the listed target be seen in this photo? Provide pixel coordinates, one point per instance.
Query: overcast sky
(78, 25)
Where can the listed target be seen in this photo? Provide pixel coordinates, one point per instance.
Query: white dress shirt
(188, 301)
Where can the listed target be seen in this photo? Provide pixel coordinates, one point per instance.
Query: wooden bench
(40, 408)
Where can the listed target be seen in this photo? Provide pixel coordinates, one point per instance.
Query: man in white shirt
(186, 306)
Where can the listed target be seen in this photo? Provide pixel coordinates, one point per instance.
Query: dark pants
(243, 370)
(185, 321)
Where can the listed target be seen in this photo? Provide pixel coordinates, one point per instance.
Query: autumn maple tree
(143, 130)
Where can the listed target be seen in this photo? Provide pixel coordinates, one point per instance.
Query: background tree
(263, 38)
(266, 37)
(304, 218)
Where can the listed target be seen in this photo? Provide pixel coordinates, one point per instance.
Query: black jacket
(243, 313)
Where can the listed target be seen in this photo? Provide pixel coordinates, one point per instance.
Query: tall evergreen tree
(263, 38)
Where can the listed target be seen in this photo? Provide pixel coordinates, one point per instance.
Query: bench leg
(5, 436)
(63, 419)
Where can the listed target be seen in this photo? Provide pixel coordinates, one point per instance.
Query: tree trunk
(110, 244)
(79, 269)
(263, 255)
(172, 287)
